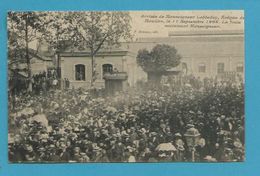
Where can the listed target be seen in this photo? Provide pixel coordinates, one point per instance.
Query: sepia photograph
(126, 86)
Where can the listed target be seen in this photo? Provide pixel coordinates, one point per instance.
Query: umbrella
(165, 147)
(188, 85)
(83, 97)
(26, 111)
(10, 139)
(85, 110)
(40, 118)
(210, 159)
(111, 109)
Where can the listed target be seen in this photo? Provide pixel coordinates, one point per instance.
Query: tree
(156, 62)
(97, 29)
(60, 33)
(24, 28)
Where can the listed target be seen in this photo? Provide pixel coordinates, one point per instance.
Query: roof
(197, 36)
(198, 44)
(19, 73)
(104, 52)
(33, 53)
(39, 55)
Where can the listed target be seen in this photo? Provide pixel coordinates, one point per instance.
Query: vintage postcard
(126, 86)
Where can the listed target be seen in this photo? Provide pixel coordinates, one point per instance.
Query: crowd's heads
(78, 121)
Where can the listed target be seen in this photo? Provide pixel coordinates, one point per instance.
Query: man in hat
(118, 151)
(76, 154)
(53, 157)
(16, 149)
(30, 155)
(64, 153)
(100, 155)
(84, 158)
(129, 154)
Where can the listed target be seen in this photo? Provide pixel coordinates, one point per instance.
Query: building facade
(204, 53)
(114, 64)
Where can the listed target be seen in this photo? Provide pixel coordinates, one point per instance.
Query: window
(80, 72)
(240, 68)
(107, 68)
(221, 67)
(202, 68)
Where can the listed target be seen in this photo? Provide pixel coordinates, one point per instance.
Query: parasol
(111, 109)
(40, 118)
(165, 147)
(85, 110)
(26, 111)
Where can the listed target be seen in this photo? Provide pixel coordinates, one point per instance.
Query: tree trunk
(154, 78)
(28, 57)
(59, 69)
(92, 71)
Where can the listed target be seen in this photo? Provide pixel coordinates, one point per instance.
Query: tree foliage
(92, 30)
(160, 59)
(60, 33)
(100, 29)
(24, 28)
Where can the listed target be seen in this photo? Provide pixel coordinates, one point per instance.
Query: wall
(37, 65)
(68, 68)
(207, 49)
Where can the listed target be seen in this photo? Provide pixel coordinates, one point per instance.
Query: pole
(58, 65)
(193, 154)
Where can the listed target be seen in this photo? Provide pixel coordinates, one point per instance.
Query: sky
(153, 23)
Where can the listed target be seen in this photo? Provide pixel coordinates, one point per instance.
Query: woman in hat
(201, 150)
(180, 152)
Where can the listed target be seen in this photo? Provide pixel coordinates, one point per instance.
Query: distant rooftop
(200, 33)
(101, 52)
(196, 36)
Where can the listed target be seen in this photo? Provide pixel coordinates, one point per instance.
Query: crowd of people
(44, 82)
(147, 125)
(41, 83)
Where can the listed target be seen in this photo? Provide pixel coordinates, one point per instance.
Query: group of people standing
(146, 125)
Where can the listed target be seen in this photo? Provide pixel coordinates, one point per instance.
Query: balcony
(115, 76)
